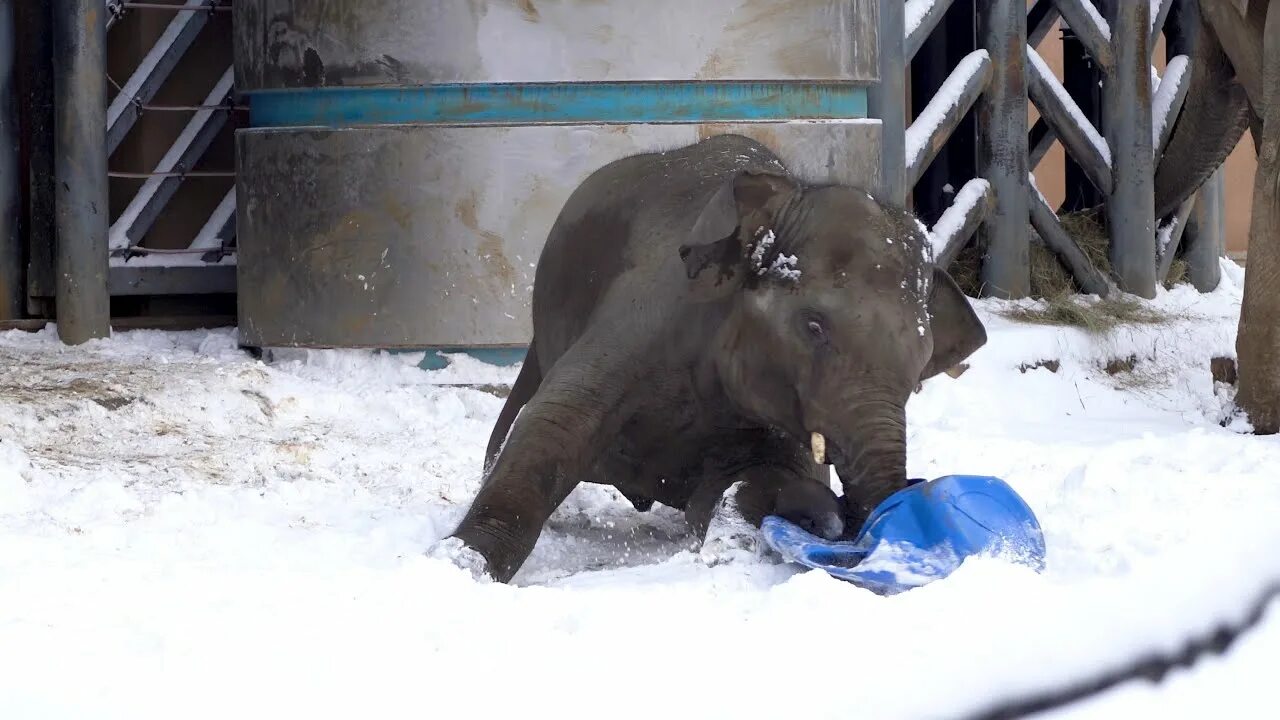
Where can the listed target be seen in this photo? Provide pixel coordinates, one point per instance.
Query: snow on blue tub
(920, 534)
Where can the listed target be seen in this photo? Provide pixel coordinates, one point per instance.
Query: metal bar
(1082, 79)
(154, 69)
(1127, 117)
(1169, 98)
(136, 220)
(1003, 152)
(114, 11)
(1045, 221)
(1070, 125)
(35, 43)
(172, 174)
(160, 280)
(205, 5)
(888, 102)
(80, 169)
(1041, 141)
(1158, 17)
(1174, 230)
(13, 291)
(1040, 20)
(1090, 28)
(949, 105)
(972, 205)
(1205, 235)
(220, 228)
(926, 20)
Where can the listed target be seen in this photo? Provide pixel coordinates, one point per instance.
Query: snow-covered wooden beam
(933, 127)
(1168, 101)
(1040, 20)
(922, 18)
(1169, 236)
(1159, 14)
(1090, 28)
(1078, 135)
(1045, 221)
(960, 221)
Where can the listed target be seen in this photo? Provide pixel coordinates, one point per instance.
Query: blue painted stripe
(558, 103)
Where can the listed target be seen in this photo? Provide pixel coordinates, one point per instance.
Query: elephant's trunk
(870, 457)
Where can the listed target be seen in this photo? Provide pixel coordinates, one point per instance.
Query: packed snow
(188, 532)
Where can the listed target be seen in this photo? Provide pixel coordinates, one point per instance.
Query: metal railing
(207, 263)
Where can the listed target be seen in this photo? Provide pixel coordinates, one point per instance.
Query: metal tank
(407, 158)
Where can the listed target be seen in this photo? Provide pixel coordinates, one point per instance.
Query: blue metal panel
(684, 102)
(500, 356)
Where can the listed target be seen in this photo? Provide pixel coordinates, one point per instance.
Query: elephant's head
(836, 314)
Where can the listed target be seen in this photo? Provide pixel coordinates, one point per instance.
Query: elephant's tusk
(818, 445)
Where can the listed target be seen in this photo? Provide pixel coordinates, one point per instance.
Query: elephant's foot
(457, 553)
(730, 536)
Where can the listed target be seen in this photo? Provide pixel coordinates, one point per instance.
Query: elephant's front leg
(731, 501)
(555, 439)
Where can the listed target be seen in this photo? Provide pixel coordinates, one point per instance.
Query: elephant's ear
(715, 260)
(957, 331)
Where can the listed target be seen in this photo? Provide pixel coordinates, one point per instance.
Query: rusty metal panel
(421, 236)
(302, 43)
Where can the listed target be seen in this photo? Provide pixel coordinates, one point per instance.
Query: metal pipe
(1040, 19)
(1003, 153)
(1176, 229)
(888, 102)
(13, 293)
(1041, 141)
(940, 118)
(960, 221)
(1203, 240)
(1045, 221)
(1127, 120)
(1078, 136)
(928, 22)
(1204, 235)
(80, 169)
(1082, 80)
(1094, 35)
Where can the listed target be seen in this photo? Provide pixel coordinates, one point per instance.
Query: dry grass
(1049, 278)
(1098, 317)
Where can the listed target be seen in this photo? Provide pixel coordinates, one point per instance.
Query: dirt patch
(1052, 366)
(1224, 370)
(1121, 365)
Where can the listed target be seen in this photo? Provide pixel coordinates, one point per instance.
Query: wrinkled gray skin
(1214, 116)
(665, 364)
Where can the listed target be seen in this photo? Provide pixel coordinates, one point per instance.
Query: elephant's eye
(815, 328)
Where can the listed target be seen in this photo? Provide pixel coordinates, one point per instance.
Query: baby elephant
(705, 322)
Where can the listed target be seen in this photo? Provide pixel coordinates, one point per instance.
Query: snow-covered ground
(186, 532)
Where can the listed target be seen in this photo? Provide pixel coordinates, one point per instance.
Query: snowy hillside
(186, 532)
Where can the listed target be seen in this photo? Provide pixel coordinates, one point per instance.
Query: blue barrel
(406, 159)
